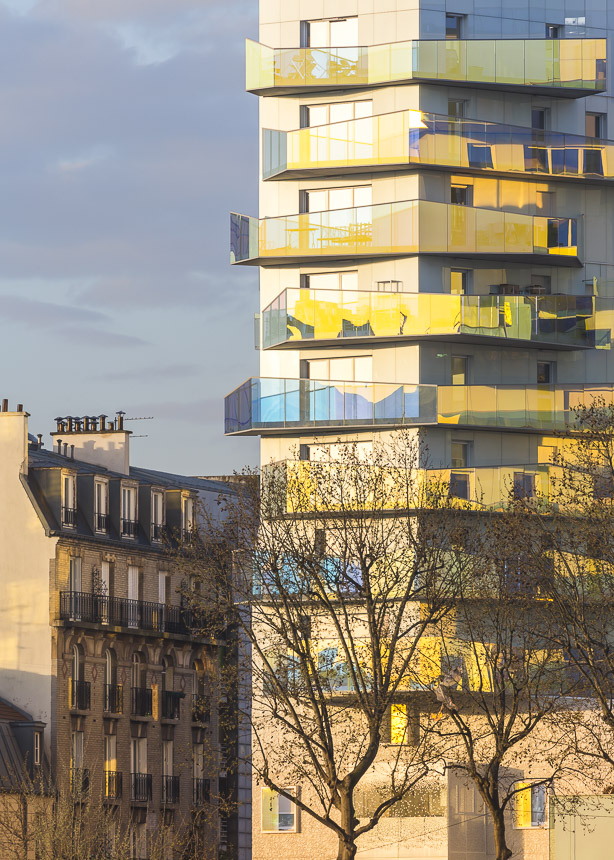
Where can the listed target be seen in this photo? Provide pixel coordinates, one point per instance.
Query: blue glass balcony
(267, 406)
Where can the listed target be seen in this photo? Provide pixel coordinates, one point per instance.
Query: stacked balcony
(569, 68)
(269, 406)
(411, 138)
(403, 229)
(300, 318)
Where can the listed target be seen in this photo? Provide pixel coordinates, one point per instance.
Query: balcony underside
(561, 92)
(372, 341)
(415, 167)
(327, 257)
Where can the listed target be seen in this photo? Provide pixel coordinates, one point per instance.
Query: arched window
(201, 704)
(138, 670)
(110, 667)
(168, 673)
(333, 671)
(77, 663)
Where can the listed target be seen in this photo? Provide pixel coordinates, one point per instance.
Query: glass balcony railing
(404, 228)
(563, 67)
(299, 317)
(267, 405)
(412, 137)
(325, 485)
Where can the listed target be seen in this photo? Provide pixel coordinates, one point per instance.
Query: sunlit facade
(434, 236)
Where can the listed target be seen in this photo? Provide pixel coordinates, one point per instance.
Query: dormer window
(129, 523)
(37, 748)
(101, 506)
(157, 514)
(187, 518)
(69, 500)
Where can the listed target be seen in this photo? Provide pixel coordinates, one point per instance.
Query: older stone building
(96, 641)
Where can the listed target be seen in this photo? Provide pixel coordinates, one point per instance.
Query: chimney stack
(5, 405)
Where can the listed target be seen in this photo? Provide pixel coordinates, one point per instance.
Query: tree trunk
(502, 852)
(347, 850)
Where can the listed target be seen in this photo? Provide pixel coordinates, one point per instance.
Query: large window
(278, 813)
(331, 281)
(101, 506)
(313, 115)
(336, 33)
(157, 514)
(129, 513)
(529, 805)
(69, 501)
(325, 199)
(357, 369)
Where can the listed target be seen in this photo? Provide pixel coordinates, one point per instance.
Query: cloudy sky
(125, 139)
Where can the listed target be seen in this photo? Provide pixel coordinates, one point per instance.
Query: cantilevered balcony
(267, 406)
(302, 318)
(569, 68)
(310, 486)
(413, 138)
(403, 229)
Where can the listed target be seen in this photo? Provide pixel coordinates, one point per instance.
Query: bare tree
(338, 570)
(498, 677)
(47, 821)
(578, 526)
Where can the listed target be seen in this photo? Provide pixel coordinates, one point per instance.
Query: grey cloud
(146, 374)
(45, 314)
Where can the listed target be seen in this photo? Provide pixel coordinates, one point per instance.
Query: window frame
(103, 484)
(69, 480)
(37, 749)
(529, 785)
(130, 491)
(295, 827)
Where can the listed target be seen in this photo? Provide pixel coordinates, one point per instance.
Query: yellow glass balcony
(414, 138)
(303, 317)
(269, 406)
(310, 486)
(570, 68)
(401, 229)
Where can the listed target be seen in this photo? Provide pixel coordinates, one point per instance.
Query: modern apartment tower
(435, 237)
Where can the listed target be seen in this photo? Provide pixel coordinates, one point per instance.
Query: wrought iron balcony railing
(171, 704)
(157, 531)
(80, 695)
(569, 68)
(69, 517)
(170, 789)
(112, 784)
(141, 702)
(129, 528)
(83, 606)
(140, 787)
(102, 522)
(113, 698)
(200, 792)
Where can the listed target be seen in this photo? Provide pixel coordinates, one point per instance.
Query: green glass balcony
(412, 138)
(570, 68)
(317, 485)
(403, 229)
(300, 318)
(269, 406)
